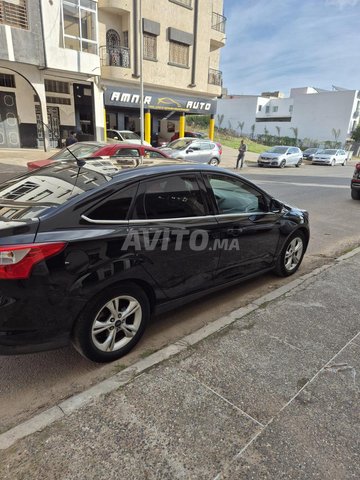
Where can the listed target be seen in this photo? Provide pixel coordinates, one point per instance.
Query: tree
(336, 133)
(296, 132)
(356, 134)
(252, 130)
(278, 131)
(241, 126)
(220, 119)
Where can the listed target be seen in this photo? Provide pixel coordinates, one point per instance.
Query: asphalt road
(31, 383)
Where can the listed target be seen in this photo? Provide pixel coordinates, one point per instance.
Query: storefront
(164, 109)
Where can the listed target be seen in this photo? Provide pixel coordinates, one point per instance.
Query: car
(126, 136)
(281, 156)
(188, 135)
(355, 183)
(88, 254)
(309, 153)
(330, 156)
(192, 149)
(97, 150)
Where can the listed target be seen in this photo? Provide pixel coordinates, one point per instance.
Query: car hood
(271, 154)
(324, 155)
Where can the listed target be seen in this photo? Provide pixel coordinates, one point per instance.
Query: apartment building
(63, 61)
(315, 114)
(180, 67)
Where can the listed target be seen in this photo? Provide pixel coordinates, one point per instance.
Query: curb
(74, 403)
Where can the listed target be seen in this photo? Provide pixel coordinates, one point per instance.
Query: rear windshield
(129, 135)
(80, 150)
(179, 144)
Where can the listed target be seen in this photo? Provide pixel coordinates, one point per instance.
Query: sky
(281, 44)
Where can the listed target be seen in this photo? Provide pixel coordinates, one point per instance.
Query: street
(34, 382)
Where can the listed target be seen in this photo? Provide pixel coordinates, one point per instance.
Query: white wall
(237, 110)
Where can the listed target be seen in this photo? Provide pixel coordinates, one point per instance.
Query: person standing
(241, 155)
(71, 139)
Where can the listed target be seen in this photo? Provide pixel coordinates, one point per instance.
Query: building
(63, 61)
(313, 114)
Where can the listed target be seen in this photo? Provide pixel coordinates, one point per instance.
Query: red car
(355, 183)
(100, 149)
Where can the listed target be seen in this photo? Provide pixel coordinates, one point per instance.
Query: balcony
(115, 6)
(215, 77)
(115, 57)
(218, 37)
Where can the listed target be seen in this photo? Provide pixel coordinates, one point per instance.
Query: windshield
(129, 136)
(278, 150)
(179, 144)
(311, 150)
(329, 151)
(80, 150)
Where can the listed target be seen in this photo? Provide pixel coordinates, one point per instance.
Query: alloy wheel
(293, 254)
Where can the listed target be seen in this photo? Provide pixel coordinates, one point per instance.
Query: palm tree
(336, 133)
(278, 131)
(252, 130)
(241, 126)
(296, 131)
(220, 119)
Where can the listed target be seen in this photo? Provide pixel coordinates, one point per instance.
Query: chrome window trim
(245, 214)
(105, 222)
(175, 219)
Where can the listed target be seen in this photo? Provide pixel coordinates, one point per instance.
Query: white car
(116, 136)
(330, 156)
(281, 156)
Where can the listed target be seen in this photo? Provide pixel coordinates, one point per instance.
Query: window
(150, 48)
(56, 86)
(7, 80)
(234, 196)
(14, 13)
(267, 109)
(153, 154)
(179, 54)
(79, 25)
(275, 109)
(171, 197)
(290, 108)
(185, 3)
(116, 207)
(127, 152)
(259, 108)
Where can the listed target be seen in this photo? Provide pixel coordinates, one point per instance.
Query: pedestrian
(71, 139)
(241, 155)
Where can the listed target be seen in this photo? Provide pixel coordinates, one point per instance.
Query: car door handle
(234, 232)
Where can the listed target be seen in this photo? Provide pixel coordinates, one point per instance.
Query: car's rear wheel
(282, 163)
(214, 162)
(291, 255)
(355, 194)
(112, 323)
(299, 163)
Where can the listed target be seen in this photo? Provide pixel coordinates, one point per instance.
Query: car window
(116, 207)
(153, 154)
(195, 146)
(127, 152)
(110, 134)
(171, 197)
(129, 135)
(205, 146)
(235, 196)
(293, 150)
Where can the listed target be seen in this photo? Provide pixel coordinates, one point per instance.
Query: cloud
(343, 3)
(278, 45)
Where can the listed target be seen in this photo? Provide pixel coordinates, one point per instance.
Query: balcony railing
(218, 22)
(115, 56)
(215, 77)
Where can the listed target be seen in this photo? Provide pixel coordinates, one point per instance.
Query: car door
(193, 152)
(174, 232)
(249, 230)
(293, 156)
(205, 151)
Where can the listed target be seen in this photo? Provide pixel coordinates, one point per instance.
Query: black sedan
(89, 252)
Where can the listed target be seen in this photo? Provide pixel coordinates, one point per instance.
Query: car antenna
(79, 161)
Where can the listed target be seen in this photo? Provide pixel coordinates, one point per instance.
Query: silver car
(281, 156)
(116, 136)
(330, 156)
(195, 150)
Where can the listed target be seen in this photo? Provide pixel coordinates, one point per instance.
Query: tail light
(357, 167)
(17, 261)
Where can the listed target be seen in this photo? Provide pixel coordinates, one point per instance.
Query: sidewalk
(267, 392)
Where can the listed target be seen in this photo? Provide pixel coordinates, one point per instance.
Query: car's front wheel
(214, 162)
(291, 255)
(112, 323)
(355, 194)
(299, 163)
(282, 164)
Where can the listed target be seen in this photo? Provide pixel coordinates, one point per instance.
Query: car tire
(104, 331)
(214, 162)
(282, 164)
(291, 255)
(299, 163)
(333, 163)
(355, 194)
(344, 163)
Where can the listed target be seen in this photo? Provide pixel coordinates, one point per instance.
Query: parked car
(82, 251)
(127, 136)
(309, 153)
(281, 156)
(330, 156)
(188, 134)
(202, 151)
(99, 149)
(355, 183)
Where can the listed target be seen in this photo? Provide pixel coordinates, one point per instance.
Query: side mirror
(288, 153)
(116, 138)
(189, 150)
(275, 206)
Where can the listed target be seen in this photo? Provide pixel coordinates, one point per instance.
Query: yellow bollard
(212, 127)
(182, 125)
(147, 126)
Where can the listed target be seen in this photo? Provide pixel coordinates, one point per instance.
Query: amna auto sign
(130, 98)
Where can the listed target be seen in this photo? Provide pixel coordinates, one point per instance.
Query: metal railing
(215, 77)
(115, 56)
(218, 22)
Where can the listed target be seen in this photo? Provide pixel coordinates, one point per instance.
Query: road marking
(305, 184)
